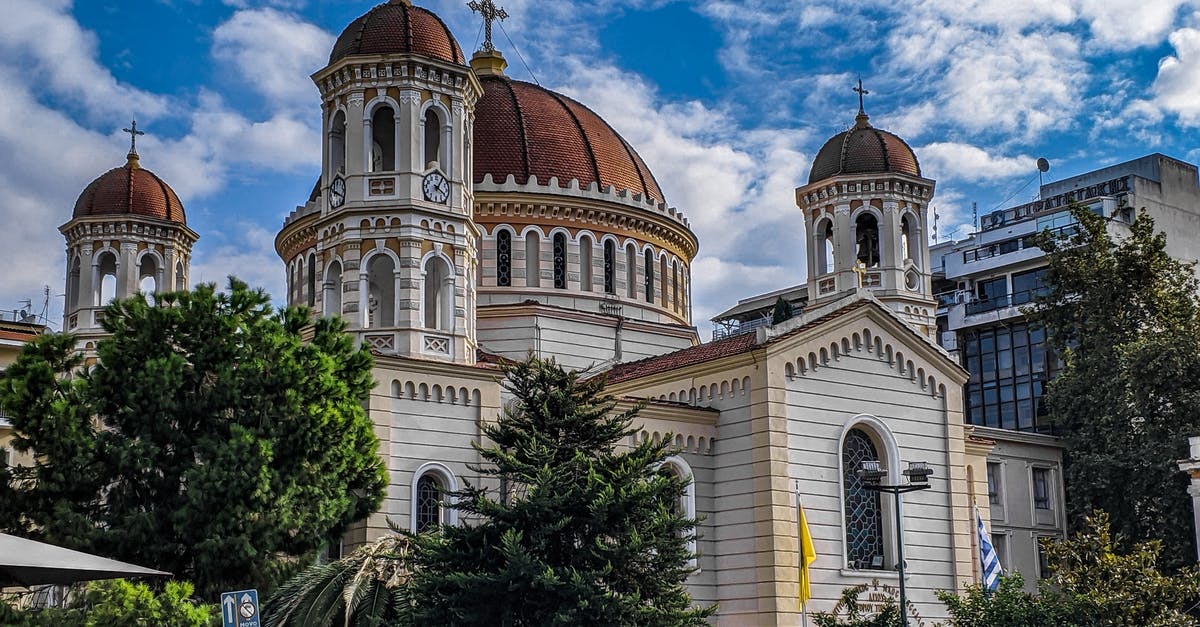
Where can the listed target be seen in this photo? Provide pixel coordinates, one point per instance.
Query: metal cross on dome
(861, 92)
(490, 13)
(133, 135)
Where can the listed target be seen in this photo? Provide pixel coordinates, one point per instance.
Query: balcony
(722, 332)
(1009, 300)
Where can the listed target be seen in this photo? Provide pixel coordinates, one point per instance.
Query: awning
(29, 563)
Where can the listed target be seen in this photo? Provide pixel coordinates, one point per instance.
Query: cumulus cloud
(274, 53)
(1177, 86)
(953, 161)
(243, 249)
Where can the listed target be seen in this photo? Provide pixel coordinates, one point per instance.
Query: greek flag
(988, 557)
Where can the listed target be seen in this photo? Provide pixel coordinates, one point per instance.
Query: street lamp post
(872, 474)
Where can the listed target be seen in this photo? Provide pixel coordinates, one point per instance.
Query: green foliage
(211, 440)
(1126, 319)
(369, 588)
(119, 602)
(581, 533)
(1092, 585)
(850, 611)
(782, 312)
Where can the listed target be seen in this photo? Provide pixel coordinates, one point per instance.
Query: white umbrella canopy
(29, 563)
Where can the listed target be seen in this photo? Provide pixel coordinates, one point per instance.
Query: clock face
(436, 188)
(337, 192)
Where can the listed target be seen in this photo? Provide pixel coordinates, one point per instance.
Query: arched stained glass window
(504, 259)
(429, 503)
(560, 261)
(864, 519)
(610, 267)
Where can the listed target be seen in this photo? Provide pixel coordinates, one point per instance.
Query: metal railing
(1000, 302)
(722, 332)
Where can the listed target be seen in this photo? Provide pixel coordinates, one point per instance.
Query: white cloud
(274, 53)
(245, 250)
(1124, 24)
(953, 161)
(1177, 87)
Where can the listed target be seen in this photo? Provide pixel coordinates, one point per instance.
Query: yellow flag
(808, 554)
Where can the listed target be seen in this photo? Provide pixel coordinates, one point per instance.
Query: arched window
(337, 143)
(675, 286)
(429, 503)
(381, 292)
(180, 279)
(312, 280)
(106, 279)
(333, 289)
(649, 276)
(585, 263)
(864, 511)
(610, 267)
(866, 231)
(909, 240)
(437, 294)
(383, 140)
(72, 284)
(148, 276)
(433, 138)
(432, 484)
(533, 247)
(825, 247)
(686, 505)
(503, 258)
(560, 261)
(631, 270)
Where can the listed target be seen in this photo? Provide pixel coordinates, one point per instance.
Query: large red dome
(864, 149)
(130, 190)
(526, 130)
(398, 27)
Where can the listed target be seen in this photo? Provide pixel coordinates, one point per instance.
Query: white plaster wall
(573, 342)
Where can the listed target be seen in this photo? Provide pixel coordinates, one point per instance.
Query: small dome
(863, 149)
(130, 190)
(398, 27)
(526, 130)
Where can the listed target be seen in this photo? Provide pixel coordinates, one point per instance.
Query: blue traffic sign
(240, 609)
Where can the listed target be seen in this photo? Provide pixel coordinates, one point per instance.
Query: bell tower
(387, 239)
(127, 234)
(866, 208)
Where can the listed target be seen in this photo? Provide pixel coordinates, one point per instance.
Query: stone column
(1192, 467)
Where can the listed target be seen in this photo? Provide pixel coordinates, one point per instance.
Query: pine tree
(582, 532)
(211, 440)
(782, 312)
(1125, 318)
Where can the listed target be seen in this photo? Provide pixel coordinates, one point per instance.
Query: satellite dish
(1043, 165)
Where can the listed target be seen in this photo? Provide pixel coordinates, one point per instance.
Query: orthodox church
(462, 216)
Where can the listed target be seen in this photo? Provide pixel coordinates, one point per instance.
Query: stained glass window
(610, 268)
(864, 519)
(649, 276)
(504, 259)
(560, 261)
(429, 503)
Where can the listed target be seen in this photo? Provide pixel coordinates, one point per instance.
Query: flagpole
(799, 534)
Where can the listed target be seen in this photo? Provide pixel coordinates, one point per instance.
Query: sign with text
(240, 609)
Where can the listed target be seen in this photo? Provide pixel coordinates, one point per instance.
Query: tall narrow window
(148, 276)
(662, 280)
(585, 263)
(866, 231)
(337, 143)
(437, 293)
(312, 280)
(533, 250)
(180, 279)
(429, 503)
(383, 140)
(1041, 488)
(503, 258)
(333, 289)
(106, 279)
(675, 286)
(864, 513)
(560, 261)
(73, 284)
(993, 479)
(649, 276)
(610, 267)
(381, 292)
(825, 249)
(631, 270)
(433, 138)
(910, 242)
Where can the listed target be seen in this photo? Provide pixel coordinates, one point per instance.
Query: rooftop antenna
(1043, 166)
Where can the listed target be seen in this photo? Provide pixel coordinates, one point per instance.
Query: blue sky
(727, 101)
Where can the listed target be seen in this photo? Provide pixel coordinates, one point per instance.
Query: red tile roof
(526, 130)
(397, 27)
(130, 189)
(863, 149)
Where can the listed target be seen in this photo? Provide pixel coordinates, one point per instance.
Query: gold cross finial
(490, 13)
(860, 269)
(133, 135)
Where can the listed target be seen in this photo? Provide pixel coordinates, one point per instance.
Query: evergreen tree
(783, 311)
(1125, 318)
(583, 531)
(211, 440)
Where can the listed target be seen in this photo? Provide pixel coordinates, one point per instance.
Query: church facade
(462, 216)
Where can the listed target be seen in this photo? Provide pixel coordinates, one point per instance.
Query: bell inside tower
(866, 229)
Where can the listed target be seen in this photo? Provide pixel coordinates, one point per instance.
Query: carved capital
(842, 210)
